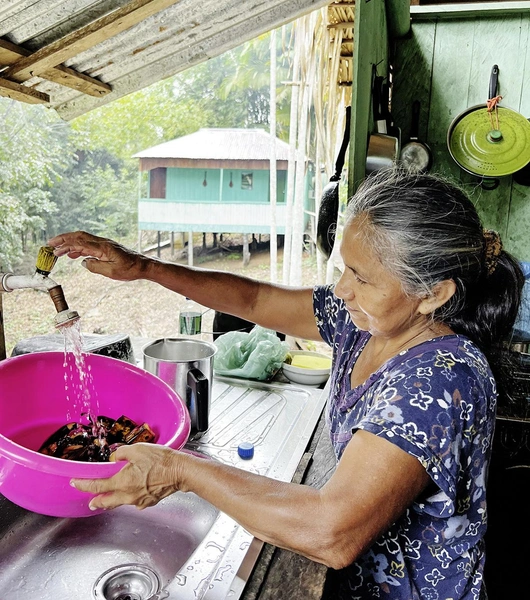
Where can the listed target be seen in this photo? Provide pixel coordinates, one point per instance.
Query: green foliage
(56, 176)
(138, 121)
(33, 153)
(97, 194)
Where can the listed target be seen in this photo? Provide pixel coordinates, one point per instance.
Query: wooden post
(158, 244)
(246, 251)
(172, 244)
(190, 248)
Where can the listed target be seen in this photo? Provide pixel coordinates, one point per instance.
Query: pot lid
(485, 146)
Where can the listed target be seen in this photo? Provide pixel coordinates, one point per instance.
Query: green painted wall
(446, 65)
(187, 185)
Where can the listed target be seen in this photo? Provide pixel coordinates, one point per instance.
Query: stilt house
(216, 180)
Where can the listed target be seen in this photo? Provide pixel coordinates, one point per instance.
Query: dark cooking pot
(487, 142)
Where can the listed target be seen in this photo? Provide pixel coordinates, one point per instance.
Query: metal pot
(416, 156)
(187, 366)
(383, 147)
(383, 152)
(490, 143)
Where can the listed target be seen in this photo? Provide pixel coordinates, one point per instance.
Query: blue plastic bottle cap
(245, 450)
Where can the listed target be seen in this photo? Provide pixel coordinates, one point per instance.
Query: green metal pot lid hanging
(490, 143)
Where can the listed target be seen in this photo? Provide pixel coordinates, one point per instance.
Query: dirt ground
(138, 309)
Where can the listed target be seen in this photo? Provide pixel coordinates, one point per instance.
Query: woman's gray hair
(423, 229)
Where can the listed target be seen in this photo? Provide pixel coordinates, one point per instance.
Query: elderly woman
(425, 297)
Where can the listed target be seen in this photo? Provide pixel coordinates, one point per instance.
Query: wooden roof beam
(10, 53)
(15, 91)
(86, 37)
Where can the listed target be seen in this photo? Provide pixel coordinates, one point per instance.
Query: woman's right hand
(103, 256)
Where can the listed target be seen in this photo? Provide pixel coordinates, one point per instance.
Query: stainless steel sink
(181, 549)
(48, 558)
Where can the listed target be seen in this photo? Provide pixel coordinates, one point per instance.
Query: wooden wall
(370, 48)
(445, 63)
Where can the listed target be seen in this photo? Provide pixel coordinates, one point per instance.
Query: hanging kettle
(489, 140)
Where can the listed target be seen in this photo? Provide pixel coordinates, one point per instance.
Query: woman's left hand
(150, 475)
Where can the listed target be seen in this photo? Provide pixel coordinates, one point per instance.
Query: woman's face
(373, 296)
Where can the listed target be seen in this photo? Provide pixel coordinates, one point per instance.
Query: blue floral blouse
(436, 401)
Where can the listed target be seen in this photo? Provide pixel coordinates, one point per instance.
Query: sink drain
(127, 582)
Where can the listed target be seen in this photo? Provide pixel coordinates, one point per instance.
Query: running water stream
(78, 382)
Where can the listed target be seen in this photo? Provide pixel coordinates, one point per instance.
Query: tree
(138, 121)
(98, 194)
(34, 150)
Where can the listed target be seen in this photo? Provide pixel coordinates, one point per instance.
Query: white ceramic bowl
(306, 376)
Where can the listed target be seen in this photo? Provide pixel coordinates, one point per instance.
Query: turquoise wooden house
(216, 180)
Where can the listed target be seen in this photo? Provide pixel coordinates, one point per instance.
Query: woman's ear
(441, 293)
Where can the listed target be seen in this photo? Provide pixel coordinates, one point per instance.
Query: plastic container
(34, 404)
(313, 377)
(190, 319)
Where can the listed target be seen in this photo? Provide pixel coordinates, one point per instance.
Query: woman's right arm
(276, 307)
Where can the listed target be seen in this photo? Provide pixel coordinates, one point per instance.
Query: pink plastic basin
(34, 404)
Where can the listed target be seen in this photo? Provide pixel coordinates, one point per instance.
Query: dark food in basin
(95, 442)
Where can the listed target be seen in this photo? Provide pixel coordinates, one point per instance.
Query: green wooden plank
(492, 205)
(398, 17)
(517, 239)
(413, 68)
(452, 65)
(524, 66)
(499, 41)
(519, 217)
(473, 10)
(370, 48)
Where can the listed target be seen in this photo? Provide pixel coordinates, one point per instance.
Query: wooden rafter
(16, 91)
(84, 38)
(10, 53)
(344, 25)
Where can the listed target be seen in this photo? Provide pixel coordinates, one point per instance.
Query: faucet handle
(46, 260)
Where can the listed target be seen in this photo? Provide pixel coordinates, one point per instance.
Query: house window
(157, 182)
(246, 181)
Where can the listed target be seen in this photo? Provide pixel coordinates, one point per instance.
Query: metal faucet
(45, 262)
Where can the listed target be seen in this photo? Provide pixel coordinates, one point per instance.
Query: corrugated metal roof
(219, 144)
(88, 38)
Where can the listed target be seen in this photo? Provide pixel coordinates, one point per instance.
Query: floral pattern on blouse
(436, 401)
